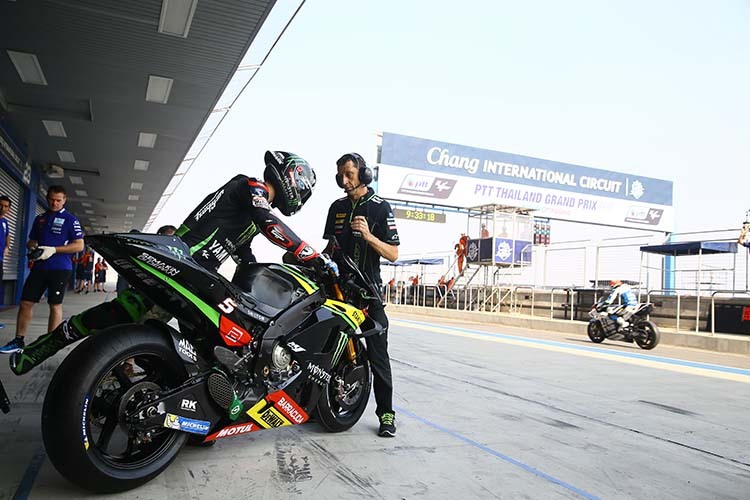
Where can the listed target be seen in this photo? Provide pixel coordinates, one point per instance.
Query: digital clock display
(420, 215)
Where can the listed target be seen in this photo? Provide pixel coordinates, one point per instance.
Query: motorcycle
(603, 325)
(285, 347)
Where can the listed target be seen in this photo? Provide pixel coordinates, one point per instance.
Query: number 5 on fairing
(227, 305)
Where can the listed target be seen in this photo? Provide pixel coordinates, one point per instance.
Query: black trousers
(377, 352)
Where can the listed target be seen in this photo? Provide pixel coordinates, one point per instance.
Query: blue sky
(658, 89)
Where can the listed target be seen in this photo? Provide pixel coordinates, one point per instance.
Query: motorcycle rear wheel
(647, 336)
(83, 427)
(596, 332)
(341, 404)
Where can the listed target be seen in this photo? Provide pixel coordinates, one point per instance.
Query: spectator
(57, 234)
(744, 239)
(485, 232)
(86, 263)
(460, 248)
(100, 271)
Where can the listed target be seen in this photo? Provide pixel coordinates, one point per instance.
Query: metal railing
(571, 294)
(514, 298)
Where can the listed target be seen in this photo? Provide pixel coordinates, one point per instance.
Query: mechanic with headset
(364, 227)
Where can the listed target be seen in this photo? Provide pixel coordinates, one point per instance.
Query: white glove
(47, 252)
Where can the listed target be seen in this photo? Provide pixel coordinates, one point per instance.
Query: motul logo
(235, 431)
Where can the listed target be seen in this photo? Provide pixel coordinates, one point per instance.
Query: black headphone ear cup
(365, 175)
(340, 180)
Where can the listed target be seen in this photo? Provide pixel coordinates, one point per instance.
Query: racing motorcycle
(603, 325)
(283, 348)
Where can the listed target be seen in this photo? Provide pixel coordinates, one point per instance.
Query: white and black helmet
(292, 178)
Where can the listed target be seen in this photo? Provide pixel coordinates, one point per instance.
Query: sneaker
(387, 426)
(15, 345)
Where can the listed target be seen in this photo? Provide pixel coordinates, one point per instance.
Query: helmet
(292, 178)
(614, 283)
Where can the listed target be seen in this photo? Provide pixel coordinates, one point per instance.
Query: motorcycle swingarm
(190, 401)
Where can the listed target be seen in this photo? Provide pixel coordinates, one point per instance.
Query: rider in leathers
(223, 224)
(626, 307)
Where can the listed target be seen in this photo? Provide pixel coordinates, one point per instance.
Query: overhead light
(131, 208)
(176, 17)
(66, 156)
(90, 212)
(54, 128)
(129, 215)
(137, 186)
(140, 165)
(146, 140)
(75, 179)
(54, 171)
(82, 193)
(158, 89)
(86, 204)
(133, 197)
(28, 67)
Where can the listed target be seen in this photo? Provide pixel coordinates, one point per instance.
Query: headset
(365, 172)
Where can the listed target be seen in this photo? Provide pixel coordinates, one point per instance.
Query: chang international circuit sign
(426, 171)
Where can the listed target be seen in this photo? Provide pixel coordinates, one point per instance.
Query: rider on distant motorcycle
(623, 310)
(223, 224)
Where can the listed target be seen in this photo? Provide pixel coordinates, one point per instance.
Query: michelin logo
(190, 425)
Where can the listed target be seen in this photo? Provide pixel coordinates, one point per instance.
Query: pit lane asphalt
(483, 411)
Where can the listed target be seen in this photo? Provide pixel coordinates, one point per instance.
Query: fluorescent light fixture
(28, 67)
(146, 140)
(158, 89)
(86, 204)
(66, 156)
(176, 17)
(82, 193)
(75, 179)
(90, 212)
(133, 197)
(131, 208)
(54, 128)
(140, 165)
(130, 215)
(137, 186)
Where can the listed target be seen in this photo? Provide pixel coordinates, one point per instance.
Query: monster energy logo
(343, 338)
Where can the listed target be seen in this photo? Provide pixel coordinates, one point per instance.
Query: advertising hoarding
(426, 171)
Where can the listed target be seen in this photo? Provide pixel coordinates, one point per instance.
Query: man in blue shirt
(4, 235)
(58, 234)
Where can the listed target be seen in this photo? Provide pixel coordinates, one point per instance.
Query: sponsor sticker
(185, 424)
(644, 215)
(427, 186)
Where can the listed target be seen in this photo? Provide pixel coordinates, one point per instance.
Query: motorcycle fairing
(277, 409)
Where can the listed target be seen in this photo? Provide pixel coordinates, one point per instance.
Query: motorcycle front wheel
(345, 396)
(596, 332)
(84, 427)
(647, 335)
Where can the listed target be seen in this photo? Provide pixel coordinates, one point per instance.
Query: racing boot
(127, 308)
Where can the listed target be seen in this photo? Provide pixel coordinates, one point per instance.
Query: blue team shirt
(54, 229)
(4, 228)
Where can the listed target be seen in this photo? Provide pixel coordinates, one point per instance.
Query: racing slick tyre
(346, 394)
(596, 332)
(84, 427)
(647, 335)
